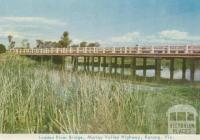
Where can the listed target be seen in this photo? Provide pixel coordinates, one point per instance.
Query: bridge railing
(101, 50)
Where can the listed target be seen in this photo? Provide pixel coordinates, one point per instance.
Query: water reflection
(150, 73)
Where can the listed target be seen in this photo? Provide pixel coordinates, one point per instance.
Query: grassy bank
(35, 99)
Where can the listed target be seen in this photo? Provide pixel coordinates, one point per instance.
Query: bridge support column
(133, 67)
(104, 64)
(171, 68)
(157, 68)
(122, 66)
(184, 69)
(84, 63)
(192, 69)
(51, 60)
(115, 65)
(144, 66)
(99, 63)
(92, 63)
(88, 63)
(110, 65)
(72, 59)
(75, 63)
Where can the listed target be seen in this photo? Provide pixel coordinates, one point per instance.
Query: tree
(25, 44)
(2, 48)
(39, 43)
(74, 46)
(10, 37)
(83, 44)
(65, 40)
(11, 42)
(96, 44)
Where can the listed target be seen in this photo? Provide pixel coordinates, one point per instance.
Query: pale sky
(110, 22)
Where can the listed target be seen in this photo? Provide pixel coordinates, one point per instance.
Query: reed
(36, 99)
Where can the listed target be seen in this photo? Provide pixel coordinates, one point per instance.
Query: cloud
(127, 37)
(174, 34)
(30, 28)
(5, 34)
(162, 37)
(178, 35)
(33, 20)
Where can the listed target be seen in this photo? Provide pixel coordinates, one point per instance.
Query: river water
(150, 73)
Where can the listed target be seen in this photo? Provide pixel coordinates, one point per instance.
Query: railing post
(152, 49)
(176, 50)
(186, 49)
(129, 50)
(77, 50)
(163, 50)
(103, 50)
(70, 49)
(138, 50)
(113, 50)
(125, 50)
(120, 50)
(168, 49)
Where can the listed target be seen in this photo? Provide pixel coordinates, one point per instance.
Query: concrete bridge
(103, 57)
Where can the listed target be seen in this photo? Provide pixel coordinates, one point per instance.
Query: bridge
(143, 51)
(103, 57)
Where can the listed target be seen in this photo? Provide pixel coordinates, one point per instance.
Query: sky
(110, 22)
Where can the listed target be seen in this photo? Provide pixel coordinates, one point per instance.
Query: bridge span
(143, 51)
(115, 57)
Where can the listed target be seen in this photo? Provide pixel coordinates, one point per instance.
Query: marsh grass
(35, 99)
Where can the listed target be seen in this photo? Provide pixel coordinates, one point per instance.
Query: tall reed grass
(35, 99)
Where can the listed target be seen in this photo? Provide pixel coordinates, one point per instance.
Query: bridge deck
(158, 51)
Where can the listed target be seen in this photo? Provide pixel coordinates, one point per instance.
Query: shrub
(2, 48)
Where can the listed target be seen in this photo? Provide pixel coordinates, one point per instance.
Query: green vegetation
(35, 99)
(2, 48)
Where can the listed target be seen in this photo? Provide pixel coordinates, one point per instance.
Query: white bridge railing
(111, 50)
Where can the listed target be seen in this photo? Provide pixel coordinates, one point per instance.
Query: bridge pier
(144, 67)
(192, 69)
(92, 63)
(99, 63)
(110, 65)
(75, 63)
(72, 59)
(158, 68)
(171, 68)
(88, 63)
(51, 60)
(122, 66)
(104, 64)
(184, 69)
(133, 67)
(84, 63)
(115, 65)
